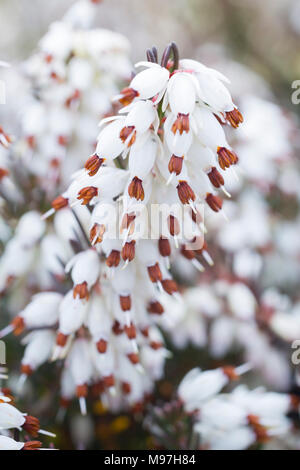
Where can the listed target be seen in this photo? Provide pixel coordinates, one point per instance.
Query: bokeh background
(262, 35)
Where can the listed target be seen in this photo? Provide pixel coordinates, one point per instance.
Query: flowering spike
(156, 151)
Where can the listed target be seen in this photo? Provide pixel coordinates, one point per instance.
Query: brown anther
(154, 273)
(164, 247)
(59, 203)
(214, 202)
(55, 76)
(136, 190)
(125, 302)
(145, 331)
(182, 124)
(61, 339)
(262, 435)
(64, 402)
(116, 328)
(253, 420)
(175, 165)
(102, 346)
(170, 286)
(134, 358)
(125, 133)
(18, 324)
(93, 164)
(96, 233)
(226, 157)
(174, 226)
(81, 291)
(137, 408)
(234, 117)
(156, 345)
(295, 401)
(188, 254)
(230, 372)
(127, 220)
(32, 445)
(260, 431)
(155, 308)
(109, 381)
(55, 163)
(113, 259)
(126, 388)
(86, 194)
(26, 369)
(128, 95)
(130, 331)
(31, 141)
(73, 98)
(62, 140)
(82, 390)
(128, 251)
(31, 425)
(215, 177)
(6, 391)
(3, 173)
(48, 58)
(185, 192)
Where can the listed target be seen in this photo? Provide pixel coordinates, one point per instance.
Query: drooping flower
(11, 419)
(220, 420)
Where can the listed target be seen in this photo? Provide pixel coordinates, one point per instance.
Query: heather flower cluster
(13, 422)
(72, 76)
(209, 418)
(107, 330)
(251, 301)
(67, 85)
